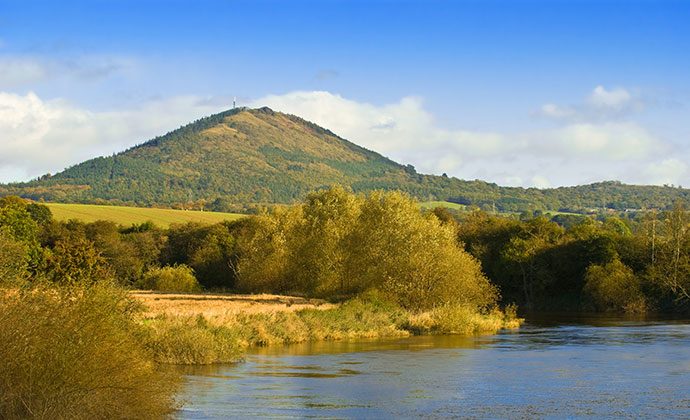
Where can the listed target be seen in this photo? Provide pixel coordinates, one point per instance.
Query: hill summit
(244, 156)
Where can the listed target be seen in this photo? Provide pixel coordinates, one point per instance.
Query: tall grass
(223, 337)
(77, 354)
(192, 341)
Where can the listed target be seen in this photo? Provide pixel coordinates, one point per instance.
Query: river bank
(218, 328)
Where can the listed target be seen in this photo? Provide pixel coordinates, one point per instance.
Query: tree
(536, 235)
(208, 249)
(213, 257)
(39, 212)
(486, 237)
(412, 257)
(671, 268)
(616, 226)
(121, 255)
(318, 243)
(16, 222)
(75, 263)
(263, 251)
(13, 259)
(614, 286)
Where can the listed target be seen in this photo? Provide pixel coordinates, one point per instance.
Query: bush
(193, 341)
(614, 287)
(77, 355)
(461, 319)
(178, 278)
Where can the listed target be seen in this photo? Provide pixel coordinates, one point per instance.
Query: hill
(247, 156)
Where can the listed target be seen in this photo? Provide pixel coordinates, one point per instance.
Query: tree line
(635, 264)
(338, 244)
(335, 245)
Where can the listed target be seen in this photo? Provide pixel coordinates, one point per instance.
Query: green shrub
(77, 355)
(614, 287)
(178, 278)
(462, 319)
(193, 341)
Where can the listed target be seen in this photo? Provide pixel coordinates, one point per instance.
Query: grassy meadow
(433, 204)
(128, 215)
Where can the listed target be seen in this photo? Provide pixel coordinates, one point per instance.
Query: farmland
(129, 215)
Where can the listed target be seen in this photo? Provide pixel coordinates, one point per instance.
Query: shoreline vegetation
(99, 351)
(217, 328)
(79, 340)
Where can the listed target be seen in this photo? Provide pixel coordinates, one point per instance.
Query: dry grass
(216, 328)
(200, 328)
(220, 305)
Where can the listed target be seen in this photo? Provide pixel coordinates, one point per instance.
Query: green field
(446, 204)
(128, 215)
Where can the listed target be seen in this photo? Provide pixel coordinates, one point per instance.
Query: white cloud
(667, 171)
(598, 106)
(602, 98)
(558, 112)
(577, 152)
(540, 181)
(15, 72)
(403, 131)
(606, 141)
(512, 181)
(326, 74)
(39, 136)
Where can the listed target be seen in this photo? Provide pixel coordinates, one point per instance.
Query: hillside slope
(245, 156)
(242, 155)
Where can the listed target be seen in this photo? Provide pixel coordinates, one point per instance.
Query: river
(554, 367)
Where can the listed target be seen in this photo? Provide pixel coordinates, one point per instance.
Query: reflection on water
(553, 368)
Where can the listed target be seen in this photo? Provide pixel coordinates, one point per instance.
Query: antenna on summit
(234, 99)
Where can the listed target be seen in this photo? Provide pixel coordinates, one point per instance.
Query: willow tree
(338, 244)
(413, 257)
(320, 242)
(263, 249)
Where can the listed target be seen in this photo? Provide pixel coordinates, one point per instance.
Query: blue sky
(532, 93)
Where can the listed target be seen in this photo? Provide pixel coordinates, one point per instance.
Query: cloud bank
(591, 142)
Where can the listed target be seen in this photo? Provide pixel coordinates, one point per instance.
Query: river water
(554, 367)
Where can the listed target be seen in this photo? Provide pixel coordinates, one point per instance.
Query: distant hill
(258, 156)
